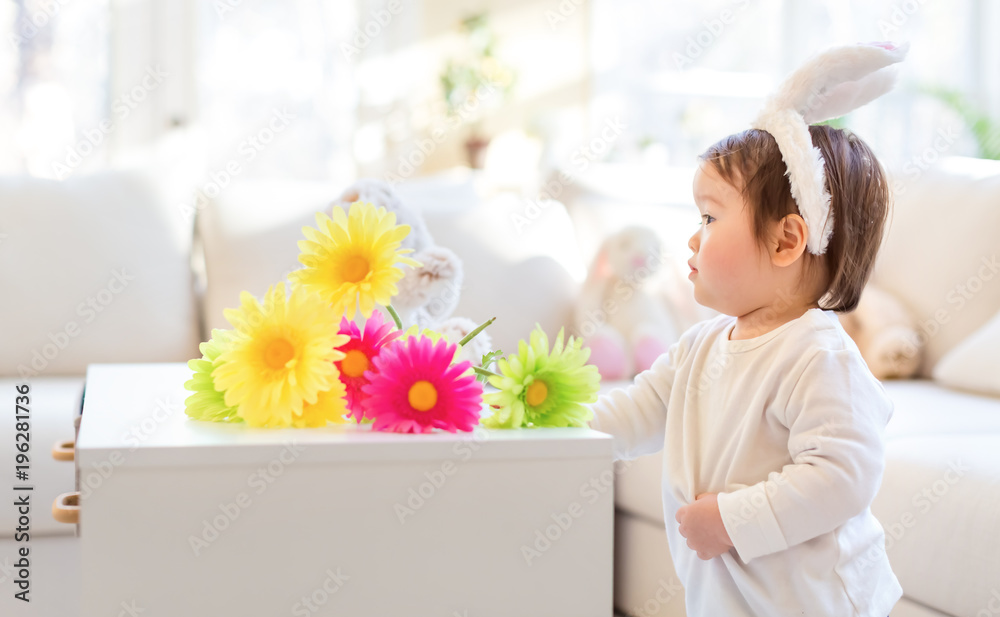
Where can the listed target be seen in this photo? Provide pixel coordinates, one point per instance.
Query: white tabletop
(134, 416)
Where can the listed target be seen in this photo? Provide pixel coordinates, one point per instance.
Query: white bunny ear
(829, 85)
(846, 97)
(839, 80)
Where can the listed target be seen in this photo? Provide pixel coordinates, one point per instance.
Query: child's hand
(701, 524)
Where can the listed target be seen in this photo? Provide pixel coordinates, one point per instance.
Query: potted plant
(474, 81)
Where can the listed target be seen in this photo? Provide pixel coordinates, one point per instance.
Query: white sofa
(940, 496)
(60, 246)
(113, 268)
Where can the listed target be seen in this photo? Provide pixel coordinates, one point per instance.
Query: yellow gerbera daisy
(281, 357)
(351, 259)
(330, 406)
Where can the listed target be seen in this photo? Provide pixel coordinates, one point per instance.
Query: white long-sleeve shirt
(788, 429)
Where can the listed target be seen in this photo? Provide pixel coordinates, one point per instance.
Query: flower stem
(484, 372)
(472, 335)
(395, 316)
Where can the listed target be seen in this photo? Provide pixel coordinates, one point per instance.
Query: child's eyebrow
(701, 197)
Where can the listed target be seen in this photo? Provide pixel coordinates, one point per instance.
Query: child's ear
(788, 240)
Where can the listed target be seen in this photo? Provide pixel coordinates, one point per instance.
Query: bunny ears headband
(827, 86)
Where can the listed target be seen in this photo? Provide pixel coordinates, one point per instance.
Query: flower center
(354, 364)
(422, 396)
(537, 392)
(278, 353)
(355, 268)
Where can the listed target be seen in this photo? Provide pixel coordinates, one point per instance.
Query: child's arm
(636, 417)
(836, 416)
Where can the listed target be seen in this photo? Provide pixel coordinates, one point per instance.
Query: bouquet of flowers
(298, 359)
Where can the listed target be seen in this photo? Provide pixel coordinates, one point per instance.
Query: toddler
(771, 424)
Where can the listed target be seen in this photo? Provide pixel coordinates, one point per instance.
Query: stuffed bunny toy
(885, 333)
(428, 295)
(625, 328)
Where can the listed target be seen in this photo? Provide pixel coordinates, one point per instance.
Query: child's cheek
(720, 259)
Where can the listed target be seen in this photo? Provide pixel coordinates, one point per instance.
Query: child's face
(729, 271)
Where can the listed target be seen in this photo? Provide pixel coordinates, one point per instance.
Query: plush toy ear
(602, 266)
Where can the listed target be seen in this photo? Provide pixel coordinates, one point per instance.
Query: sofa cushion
(250, 235)
(941, 255)
(54, 403)
(925, 408)
(975, 363)
(95, 269)
(638, 485)
(646, 583)
(939, 504)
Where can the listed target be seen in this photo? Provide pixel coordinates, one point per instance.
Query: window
(54, 84)
(690, 73)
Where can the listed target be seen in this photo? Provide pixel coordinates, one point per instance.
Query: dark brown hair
(860, 201)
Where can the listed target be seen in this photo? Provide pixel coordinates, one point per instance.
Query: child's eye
(706, 218)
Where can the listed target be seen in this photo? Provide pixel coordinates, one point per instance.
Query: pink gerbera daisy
(417, 388)
(359, 351)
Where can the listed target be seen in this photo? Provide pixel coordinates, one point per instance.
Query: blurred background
(330, 90)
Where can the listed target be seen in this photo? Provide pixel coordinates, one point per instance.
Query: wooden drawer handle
(66, 508)
(64, 450)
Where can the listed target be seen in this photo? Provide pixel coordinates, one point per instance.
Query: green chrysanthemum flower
(207, 403)
(538, 387)
(415, 332)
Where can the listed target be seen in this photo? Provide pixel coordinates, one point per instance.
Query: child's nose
(694, 240)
